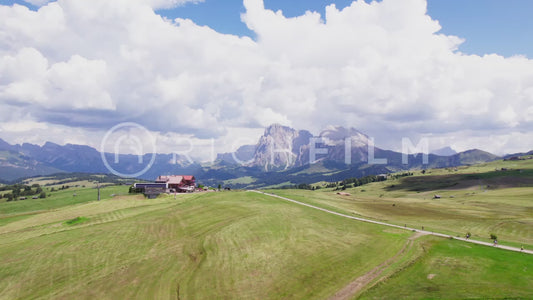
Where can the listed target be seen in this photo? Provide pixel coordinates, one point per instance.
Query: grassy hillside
(475, 199)
(214, 245)
(14, 165)
(244, 245)
(58, 199)
(454, 270)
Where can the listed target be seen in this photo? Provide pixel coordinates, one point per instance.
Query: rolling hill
(242, 245)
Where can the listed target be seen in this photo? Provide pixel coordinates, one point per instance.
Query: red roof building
(178, 183)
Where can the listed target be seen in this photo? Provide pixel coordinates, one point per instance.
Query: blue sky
(488, 26)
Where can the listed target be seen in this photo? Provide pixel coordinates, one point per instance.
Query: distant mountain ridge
(281, 148)
(18, 161)
(282, 154)
(446, 151)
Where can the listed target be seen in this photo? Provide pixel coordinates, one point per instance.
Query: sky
(216, 72)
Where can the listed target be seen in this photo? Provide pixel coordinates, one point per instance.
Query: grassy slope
(13, 210)
(455, 270)
(240, 180)
(218, 245)
(245, 245)
(480, 203)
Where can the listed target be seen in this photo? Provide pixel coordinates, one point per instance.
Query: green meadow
(246, 245)
(231, 245)
(476, 199)
(451, 269)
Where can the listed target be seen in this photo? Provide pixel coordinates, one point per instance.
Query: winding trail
(361, 282)
(424, 232)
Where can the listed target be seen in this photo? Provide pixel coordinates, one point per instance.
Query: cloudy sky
(219, 71)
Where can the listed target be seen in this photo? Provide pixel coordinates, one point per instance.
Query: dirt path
(516, 249)
(358, 284)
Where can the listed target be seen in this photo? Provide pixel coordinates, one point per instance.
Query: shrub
(76, 220)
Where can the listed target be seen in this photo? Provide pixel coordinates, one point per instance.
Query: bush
(493, 236)
(76, 220)
(42, 195)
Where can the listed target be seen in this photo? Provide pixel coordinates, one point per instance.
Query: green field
(57, 199)
(452, 269)
(240, 180)
(474, 199)
(213, 245)
(245, 245)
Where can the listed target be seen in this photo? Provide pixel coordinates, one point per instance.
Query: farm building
(167, 184)
(178, 183)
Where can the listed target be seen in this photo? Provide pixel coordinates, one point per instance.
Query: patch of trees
(134, 190)
(355, 182)
(301, 186)
(63, 187)
(21, 191)
(64, 178)
(400, 175)
(339, 185)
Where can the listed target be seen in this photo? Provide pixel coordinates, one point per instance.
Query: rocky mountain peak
(276, 129)
(280, 147)
(446, 151)
(5, 145)
(336, 135)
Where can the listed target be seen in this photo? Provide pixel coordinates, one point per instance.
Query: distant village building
(167, 184)
(512, 158)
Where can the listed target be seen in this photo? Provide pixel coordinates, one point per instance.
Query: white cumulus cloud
(382, 67)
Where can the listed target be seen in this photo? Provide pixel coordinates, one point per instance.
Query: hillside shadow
(490, 180)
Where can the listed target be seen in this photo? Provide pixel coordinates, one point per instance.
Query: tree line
(343, 184)
(21, 190)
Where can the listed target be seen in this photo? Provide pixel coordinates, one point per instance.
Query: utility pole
(98, 186)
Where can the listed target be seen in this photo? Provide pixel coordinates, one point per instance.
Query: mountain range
(282, 155)
(282, 148)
